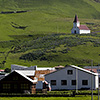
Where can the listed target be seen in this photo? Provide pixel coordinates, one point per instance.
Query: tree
(7, 70)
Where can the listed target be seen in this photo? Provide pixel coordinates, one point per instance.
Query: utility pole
(91, 81)
(76, 81)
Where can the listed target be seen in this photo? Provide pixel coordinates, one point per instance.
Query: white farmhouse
(79, 29)
(72, 77)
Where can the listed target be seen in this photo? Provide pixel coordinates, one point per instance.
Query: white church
(79, 29)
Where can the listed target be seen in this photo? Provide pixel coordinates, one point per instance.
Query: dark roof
(76, 19)
(21, 74)
(83, 27)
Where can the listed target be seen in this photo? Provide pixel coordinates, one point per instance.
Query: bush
(7, 70)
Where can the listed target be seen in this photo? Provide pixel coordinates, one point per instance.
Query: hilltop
(42, 35)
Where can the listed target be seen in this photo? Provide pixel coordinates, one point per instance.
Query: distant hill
(68, 8)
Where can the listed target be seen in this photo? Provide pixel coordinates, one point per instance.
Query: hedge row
(52, 94)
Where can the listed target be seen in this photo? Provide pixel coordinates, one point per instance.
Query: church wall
(75, 30)
(76, 24)
(84, 31)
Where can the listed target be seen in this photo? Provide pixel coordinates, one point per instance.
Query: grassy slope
(43, 15)
(52, 16)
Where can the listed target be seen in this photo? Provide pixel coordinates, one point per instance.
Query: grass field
(49, 98)
(78, 55)
(46, 18)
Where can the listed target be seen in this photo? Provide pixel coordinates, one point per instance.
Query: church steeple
(76, 22)
(76, 19)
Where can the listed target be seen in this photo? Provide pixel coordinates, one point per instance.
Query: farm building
(20, 67)
(18, 82)
(72, 77)
(24, 79)
(79, 29)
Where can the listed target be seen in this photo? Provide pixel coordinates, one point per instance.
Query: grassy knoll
(49, 98)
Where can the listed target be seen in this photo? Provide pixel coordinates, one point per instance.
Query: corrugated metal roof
(20, 67)
(27, 72)
(45, 68)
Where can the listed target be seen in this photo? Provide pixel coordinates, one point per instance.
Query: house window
(24, 86)
(84, 82)
(6, 86)
(53, 82)
(73, 82)
(15, 78)
(70, 72)
(63, 82)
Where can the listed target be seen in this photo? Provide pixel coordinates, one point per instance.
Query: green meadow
(47, 40)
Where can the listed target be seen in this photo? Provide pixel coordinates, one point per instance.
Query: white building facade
(71, 78)
(79, 29)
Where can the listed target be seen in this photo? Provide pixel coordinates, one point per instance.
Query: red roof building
(83, 27)
(79, 29)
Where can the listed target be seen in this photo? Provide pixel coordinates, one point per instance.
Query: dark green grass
(49, 98)
(53, 49)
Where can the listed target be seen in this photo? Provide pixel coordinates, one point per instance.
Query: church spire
(76, 19)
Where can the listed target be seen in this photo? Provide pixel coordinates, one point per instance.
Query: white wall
(84, 31)
(97, 83)
(76, 24)
(62, 75)
(80, 31)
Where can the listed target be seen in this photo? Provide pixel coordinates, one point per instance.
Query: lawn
(49, 98)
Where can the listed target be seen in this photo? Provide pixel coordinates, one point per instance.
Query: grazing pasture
(42, 35)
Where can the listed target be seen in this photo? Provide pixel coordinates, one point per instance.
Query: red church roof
(83, 27)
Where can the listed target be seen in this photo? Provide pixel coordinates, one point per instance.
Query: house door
(75, 31)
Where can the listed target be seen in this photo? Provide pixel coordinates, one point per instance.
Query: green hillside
(44, 16)
(46, 38)
(67, 8)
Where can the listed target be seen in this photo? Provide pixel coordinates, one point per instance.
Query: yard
(50, 98)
